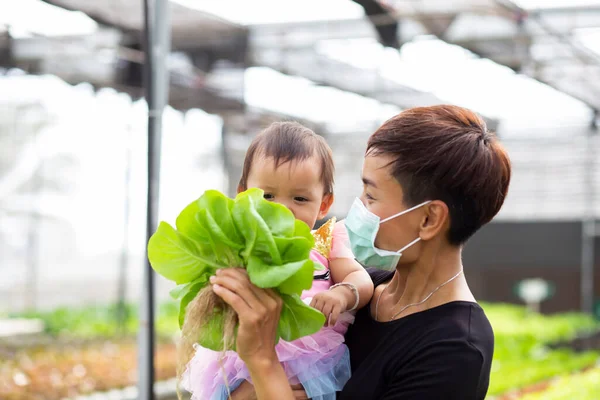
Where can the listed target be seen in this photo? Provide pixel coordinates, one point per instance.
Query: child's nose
(289, 204)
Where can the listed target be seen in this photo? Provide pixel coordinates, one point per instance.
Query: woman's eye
(369, 197)
(268, 196)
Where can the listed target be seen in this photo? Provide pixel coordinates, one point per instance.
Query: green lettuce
(250, 232)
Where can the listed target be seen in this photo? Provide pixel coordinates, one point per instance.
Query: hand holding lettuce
(248, 232)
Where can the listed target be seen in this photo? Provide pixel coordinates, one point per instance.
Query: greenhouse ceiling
(470, 52)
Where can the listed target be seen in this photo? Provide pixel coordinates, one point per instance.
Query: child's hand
(331, 303)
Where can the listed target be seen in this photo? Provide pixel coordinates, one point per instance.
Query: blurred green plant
(522, 356)
(583, 386)
(101, 321)
(515, 320)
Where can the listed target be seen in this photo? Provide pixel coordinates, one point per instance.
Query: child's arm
(351, 278)
(343, 298)
(347, 270)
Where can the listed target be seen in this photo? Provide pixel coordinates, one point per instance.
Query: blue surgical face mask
(362, 226)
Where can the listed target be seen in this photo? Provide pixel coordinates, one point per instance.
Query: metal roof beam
(190, 28)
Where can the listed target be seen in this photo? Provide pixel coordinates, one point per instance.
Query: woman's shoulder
(461, 317)
(461, 322)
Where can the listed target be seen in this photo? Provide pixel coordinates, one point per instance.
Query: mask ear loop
(405, 211)
(408, 245)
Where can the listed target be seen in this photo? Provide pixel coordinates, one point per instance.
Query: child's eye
(268, 196)
(301, 199)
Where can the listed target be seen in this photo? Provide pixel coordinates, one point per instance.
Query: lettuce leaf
(294, 315)
(215, 232)
(168, 248)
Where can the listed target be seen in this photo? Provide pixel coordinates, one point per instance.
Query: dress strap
(324, 236)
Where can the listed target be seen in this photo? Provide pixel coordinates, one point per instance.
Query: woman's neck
(412, 283)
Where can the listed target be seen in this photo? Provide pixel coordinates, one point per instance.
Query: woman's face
(383, 196)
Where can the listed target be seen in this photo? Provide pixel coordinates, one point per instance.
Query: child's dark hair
(290, 142)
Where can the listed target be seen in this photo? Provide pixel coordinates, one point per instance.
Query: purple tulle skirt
(320, 362)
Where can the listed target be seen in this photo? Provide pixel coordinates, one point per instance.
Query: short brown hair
(446, 153)
(290, 142)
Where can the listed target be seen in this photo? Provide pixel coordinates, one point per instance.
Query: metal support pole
(146, 339)
(156, 48)
(588, 224)
(122, 311)
(587, 265)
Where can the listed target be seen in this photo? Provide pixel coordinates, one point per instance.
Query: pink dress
(320, 362)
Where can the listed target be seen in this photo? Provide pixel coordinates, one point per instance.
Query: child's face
(296, 185)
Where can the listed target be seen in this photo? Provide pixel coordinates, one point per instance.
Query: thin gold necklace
(413, 304)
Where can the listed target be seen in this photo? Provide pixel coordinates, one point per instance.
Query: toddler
(294, 167)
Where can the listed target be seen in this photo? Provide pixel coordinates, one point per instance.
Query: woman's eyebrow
(369, 182)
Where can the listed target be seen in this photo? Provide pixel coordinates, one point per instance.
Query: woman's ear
(325, 205)
(435, 220)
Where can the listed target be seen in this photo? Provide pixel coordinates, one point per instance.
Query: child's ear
(240, 189)
(325, 205)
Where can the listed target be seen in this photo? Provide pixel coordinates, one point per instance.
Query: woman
(432, 177)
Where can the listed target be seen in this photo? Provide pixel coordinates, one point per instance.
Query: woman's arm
(269, 379)
(258, 313)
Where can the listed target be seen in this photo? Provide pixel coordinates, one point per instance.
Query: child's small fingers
(316, 303)
(326, 316)
(327, 308)
(334, 316)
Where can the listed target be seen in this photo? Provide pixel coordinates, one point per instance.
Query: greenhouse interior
(183, 87)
